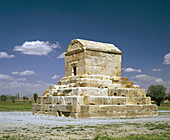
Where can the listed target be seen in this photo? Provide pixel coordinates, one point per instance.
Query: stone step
(88, 111)
(94, 100)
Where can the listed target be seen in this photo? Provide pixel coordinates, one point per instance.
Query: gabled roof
(92, 45)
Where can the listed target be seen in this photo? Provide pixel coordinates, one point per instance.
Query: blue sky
(34, 33)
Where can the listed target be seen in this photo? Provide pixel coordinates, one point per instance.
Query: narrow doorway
(74, 71)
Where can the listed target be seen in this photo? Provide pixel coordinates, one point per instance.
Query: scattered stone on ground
(25, 125)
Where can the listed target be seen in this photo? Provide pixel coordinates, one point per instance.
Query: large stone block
(46, 107)
(47, 100)
(154, 107)
(40, 100)
(111, 108)
(138, 100)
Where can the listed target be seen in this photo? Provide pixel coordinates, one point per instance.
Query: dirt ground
(24, 125)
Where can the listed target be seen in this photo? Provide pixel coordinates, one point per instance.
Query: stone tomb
(93, 86)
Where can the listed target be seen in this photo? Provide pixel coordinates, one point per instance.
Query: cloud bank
(5, 77)
(131, 70)
(62, 55)
(24, 73)
(23, 88)
(167, 59)
(55, 77)
(36, 47)
(146, 80)
(156, 69)
(5, 55)
(21, 79)
(10, 86)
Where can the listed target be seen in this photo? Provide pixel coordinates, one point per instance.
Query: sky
(34, 35)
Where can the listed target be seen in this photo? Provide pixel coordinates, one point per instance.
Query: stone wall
(100, 63)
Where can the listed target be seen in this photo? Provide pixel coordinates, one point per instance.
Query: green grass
(164, 106)
(150, 126)
(164, 136)
(166, 103)
(19, 137)
(27, 106)
(17, 106)
(154, 126)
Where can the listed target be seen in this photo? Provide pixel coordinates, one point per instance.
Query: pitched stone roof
(92, 45)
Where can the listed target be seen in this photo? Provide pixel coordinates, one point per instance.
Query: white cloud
(21, 79)
(144, 77)
(156, 69)
(131, 70)
(15, 73)
(146, 80)
(167, 59)
(38, 81)
(24, 73)
(159, 80)
(55, 77)
(36, 47)
(62, 55)
(5, 55)
(27, 72)
(24, 88)
(5, 77)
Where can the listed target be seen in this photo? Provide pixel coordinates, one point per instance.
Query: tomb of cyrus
(93, 86)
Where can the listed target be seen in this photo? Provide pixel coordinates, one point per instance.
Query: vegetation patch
(16, 137)
(164, 136)
(164, 106)
(17, 106)
(153, 126)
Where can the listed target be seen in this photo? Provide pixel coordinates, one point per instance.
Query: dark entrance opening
(74, 70)
(59, 113)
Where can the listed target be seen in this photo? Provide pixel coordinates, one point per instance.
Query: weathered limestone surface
(93, 86)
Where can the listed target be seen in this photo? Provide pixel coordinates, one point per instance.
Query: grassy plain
(27, 106)
(164, 106)
(121, 131)
(164, 136)
(17, 106)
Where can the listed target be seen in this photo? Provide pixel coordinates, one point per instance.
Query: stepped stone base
(93, 86)
(72, 106)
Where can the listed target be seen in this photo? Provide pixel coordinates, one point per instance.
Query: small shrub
(35, 96)
(13, 99)
(3, 98)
